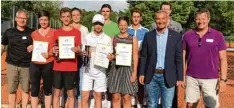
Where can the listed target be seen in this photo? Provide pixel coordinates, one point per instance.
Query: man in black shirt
(18, 59)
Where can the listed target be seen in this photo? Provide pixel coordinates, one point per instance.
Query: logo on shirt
(24, 37)
(210, 40)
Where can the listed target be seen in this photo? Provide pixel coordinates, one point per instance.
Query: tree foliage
(32, 6)
(222, 12)
(180, 12)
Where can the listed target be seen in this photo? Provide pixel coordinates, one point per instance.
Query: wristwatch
(224, 80)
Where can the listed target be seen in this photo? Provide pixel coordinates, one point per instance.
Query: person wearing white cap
(94, 77)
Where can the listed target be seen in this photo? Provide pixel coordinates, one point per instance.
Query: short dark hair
(43, 13)
(65, 9)
(76, 9)
(136, 10)
(166, 3)
(106, 6)
(123, 18)
(203, 11)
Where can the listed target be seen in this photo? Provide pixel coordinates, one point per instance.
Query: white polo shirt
(92, 40)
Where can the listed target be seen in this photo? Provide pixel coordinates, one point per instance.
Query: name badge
(24, 37)
(209, 40)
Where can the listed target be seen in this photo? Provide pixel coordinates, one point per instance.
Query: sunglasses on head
(199, 42)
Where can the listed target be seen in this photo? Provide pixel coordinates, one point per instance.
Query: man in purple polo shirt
(203, 49)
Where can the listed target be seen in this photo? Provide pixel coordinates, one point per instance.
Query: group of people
(162, 60)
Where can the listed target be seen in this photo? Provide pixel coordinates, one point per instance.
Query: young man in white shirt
(94, 77)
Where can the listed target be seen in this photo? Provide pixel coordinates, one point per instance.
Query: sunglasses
(199, 42)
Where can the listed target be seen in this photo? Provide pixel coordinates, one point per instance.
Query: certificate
(101, 55)
(65, 47)
(38, 48)
(123, 54)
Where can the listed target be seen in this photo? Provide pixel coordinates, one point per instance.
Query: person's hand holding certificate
(123, 54)
(38, 49)
(66, 43)
(101, 55)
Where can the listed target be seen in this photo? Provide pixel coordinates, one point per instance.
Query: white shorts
(208, 89)
(98, 83)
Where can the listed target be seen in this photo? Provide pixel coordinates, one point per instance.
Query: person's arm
(179, 59)
(223, 67)
(2, 49)
(143, 59)
(184, 63)
(135, 58)
(77, 48)
(111, 56)
(4, 41)
(52, 44)
(223, 64)
(55, 43)
(184, 56)
(30, 42)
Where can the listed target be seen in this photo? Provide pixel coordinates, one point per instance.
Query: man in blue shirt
(137, 30)
(161, 62)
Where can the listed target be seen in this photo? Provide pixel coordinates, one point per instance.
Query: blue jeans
(158, 84)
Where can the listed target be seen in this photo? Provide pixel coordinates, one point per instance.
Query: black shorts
(66, 80)
(38, 71)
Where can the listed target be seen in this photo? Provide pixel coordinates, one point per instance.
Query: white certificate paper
(38, 48)
(123, 54)
(101, 55)
(65, 45)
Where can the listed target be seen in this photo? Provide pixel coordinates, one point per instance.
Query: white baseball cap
(98, 18)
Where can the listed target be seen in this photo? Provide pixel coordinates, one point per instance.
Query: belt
(159, 71)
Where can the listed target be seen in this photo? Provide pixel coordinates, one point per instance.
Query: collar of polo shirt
(166, 30)
(95, 36)
(137, 28)
(209, 30)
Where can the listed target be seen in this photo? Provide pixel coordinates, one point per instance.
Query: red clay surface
(231, 45)
(226, 98)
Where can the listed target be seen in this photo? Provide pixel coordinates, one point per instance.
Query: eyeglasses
(199, 42)
(22, 18)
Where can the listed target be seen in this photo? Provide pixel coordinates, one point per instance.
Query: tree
(222, 13)
(9, 8)
(87, 17)
(180, 10)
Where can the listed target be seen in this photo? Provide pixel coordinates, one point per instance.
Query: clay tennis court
(226, 98)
